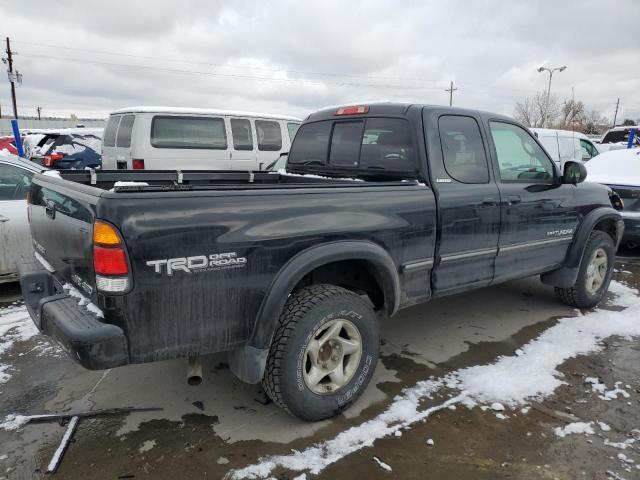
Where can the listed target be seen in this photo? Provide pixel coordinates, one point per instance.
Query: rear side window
(269, 136)
(241, 133)
(14, 182)
(188, 132)
(124, 132)
(292, 128)
(462, 149)
(110, 131)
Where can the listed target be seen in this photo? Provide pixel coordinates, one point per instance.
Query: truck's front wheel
(323, 353)
(594, 274)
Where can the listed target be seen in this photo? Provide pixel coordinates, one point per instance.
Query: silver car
(15, 239)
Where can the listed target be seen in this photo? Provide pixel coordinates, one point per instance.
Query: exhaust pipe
(194, 371)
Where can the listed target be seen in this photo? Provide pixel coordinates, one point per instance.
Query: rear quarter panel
(213, 309)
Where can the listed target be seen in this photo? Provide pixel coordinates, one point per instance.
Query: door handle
(489, 201)
(3, 219)
(550, 204)
(513, 199)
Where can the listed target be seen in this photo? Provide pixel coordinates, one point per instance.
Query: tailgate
(61, 215)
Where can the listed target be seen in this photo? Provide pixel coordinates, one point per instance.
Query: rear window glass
(345, 144)
(241, 133)
(374, 144)
(188, 132)
(311, 144)
(75, 143)
(110, 131)
(124, 131)
(269, 136)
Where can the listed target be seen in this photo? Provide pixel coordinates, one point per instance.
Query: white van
(565, 145)
(167, 138)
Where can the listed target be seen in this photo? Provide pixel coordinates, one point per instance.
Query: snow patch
(14, 422)
(573, 428)
(82, 300)
(511, 380)
(147, 445)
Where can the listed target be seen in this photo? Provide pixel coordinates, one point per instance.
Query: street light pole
(550, 70)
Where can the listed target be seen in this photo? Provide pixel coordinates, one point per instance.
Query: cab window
(588, 150)
(14, 182)
(462, 149)
(520, 158)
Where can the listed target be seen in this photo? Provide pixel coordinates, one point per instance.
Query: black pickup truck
(382, 206)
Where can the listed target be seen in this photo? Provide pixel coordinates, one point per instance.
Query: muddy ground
(205, 431)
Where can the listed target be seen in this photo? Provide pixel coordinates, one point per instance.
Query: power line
(221, 65)
(227, 75)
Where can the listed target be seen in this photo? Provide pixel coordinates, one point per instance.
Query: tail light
(354, 110)
(110, 261)
(137, 164)
(50, 160)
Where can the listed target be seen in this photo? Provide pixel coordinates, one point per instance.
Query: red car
(9, 143)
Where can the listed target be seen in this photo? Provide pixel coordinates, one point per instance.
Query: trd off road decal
(198, 263)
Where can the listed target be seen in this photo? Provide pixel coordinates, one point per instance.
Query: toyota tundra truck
(380, 207)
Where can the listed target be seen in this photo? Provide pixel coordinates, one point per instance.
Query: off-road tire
(304, 313)
(578, 295)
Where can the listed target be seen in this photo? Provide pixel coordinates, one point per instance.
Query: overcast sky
(90, 57)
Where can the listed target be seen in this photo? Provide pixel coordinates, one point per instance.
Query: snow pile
(52, 173)
(575, 427)
(82, 300)
(511, 380)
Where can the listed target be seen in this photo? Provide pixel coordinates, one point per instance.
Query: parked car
(385, 206)
(617, 138)
(563, 145)
(71, 148)
(620, 170)
(15, 239)
(165, 138)
(8, 144)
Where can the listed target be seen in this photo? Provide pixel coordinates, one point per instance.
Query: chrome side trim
(44, 263)
(476, 253)
(417, 264)
(537, 243)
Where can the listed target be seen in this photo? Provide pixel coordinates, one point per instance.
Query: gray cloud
(309, 54)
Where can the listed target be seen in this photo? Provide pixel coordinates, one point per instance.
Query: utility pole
(450, 90)
(12, 78)
(615, 116)
(39, 109)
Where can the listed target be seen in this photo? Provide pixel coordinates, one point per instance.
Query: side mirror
(574, 172)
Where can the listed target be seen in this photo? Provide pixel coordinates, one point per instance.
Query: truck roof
(201, 111)
(396, 108)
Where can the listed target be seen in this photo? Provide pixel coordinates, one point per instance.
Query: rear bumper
(90, 342)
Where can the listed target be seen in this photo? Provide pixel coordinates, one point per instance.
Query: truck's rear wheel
(594, 274)
(323, 353)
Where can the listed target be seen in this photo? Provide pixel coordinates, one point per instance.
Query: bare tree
(595, 123)
(572, 113)
(538, 111)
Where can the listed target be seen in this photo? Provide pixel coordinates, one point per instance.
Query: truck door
(468, 203)
(537, 216)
